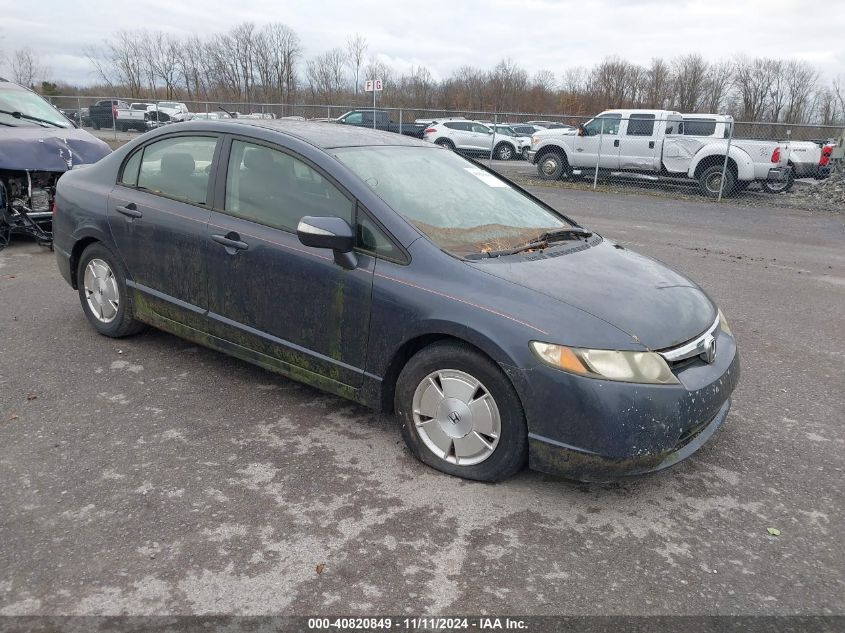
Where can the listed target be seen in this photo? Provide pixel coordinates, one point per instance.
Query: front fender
(552, 145)
(744, 164)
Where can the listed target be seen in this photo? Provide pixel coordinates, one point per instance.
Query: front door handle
(651, 144)
(130, 211)
(616, 143)
(231, 241)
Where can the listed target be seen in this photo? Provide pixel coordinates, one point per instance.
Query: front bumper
(596, 430)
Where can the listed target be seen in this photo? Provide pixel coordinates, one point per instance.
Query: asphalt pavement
(148, 475)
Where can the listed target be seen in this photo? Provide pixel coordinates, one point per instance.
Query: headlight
(535, 140)
(643, 367)
(723, 324)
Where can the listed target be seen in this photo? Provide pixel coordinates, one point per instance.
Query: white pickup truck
(651, 145)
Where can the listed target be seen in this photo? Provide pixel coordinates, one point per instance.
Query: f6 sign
(372, 85)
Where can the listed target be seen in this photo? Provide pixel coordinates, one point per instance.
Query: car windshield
(29, 104)
(460, 207)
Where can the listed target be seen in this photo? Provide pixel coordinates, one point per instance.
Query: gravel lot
(149, 475)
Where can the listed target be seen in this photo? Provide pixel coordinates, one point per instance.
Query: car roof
(324, 135)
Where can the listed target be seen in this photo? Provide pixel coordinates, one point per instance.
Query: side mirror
(581, 130)
(329, 232)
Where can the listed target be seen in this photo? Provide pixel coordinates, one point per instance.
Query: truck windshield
(29, 104)
(462, 208)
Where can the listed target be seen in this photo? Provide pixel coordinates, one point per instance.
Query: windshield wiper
(543, 241)
(27, 117)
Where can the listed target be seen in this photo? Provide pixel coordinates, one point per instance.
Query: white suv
(472, 136)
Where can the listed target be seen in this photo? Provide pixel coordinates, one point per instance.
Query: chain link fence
(676, 154)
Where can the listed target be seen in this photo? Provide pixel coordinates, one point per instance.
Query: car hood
(653, 304)
(43, 149)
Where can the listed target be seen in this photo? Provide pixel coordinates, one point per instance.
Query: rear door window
(640, 125)
(178, 167)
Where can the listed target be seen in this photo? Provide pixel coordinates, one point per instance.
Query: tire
(491, 438)
(504, 151)
(525, 151)
(105, 284)
(95, 125)
(445, 142)
(551, 166)
(710, 180)
(779, 186)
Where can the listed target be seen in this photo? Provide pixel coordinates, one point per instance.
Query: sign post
(374, 86)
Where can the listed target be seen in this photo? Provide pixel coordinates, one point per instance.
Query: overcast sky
(536, 34)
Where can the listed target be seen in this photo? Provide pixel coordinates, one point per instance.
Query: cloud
(536, 34)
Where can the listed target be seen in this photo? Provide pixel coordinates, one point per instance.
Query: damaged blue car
(37, 145)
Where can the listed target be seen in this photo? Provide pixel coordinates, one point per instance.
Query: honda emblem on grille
(709, 353)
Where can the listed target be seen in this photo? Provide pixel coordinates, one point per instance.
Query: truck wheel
(710, 182)
(95, 125)
(445, 142)
(504, 151)
(551, 166)
(779, 186)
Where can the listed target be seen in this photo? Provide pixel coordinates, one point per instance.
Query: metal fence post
(400, 120)
(113, 117)
(79, 111)
(598, 157)
(725, 163)
(493, 140)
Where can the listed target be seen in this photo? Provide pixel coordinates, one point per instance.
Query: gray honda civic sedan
(409, 279)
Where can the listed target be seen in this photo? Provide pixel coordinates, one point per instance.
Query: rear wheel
(551, 166)
(460, 414)
(710, 182)
(95, 124)
(102, 291)
(504, 151)
(445, 142)
(779, 186)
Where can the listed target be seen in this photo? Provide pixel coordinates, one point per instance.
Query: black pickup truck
(103, 113)
(380, 120)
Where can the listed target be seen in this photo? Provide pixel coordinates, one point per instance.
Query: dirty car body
(34, 154)
(617, 365)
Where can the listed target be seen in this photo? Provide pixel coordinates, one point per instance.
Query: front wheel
(551, 166)
(779, 186)
(504, 151)
(710, 182)
(445, 142)
(102, 292)
(460, 414)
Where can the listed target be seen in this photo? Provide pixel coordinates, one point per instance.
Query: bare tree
(325, 75)
(839, 93)
(753, 80)
(801, 80)
(658, 84)
(717, 86)
(690, 73)
(26, 69)
(356, 51)
(284, 50)
(121, 62)
(162, 54)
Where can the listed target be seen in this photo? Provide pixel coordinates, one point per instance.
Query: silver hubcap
(714, 182)
(505, 152)
(549, 166)
(101, 290)
(456, 417)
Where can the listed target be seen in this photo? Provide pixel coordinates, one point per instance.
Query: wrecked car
(407, 278)
(37, 145)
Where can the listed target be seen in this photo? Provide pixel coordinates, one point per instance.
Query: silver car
(473, 136)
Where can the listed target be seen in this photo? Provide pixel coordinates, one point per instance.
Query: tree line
(267, 64)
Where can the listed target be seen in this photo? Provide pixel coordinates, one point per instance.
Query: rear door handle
(130, 211)
(651, 144)
(232, 242)
(616, 143)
